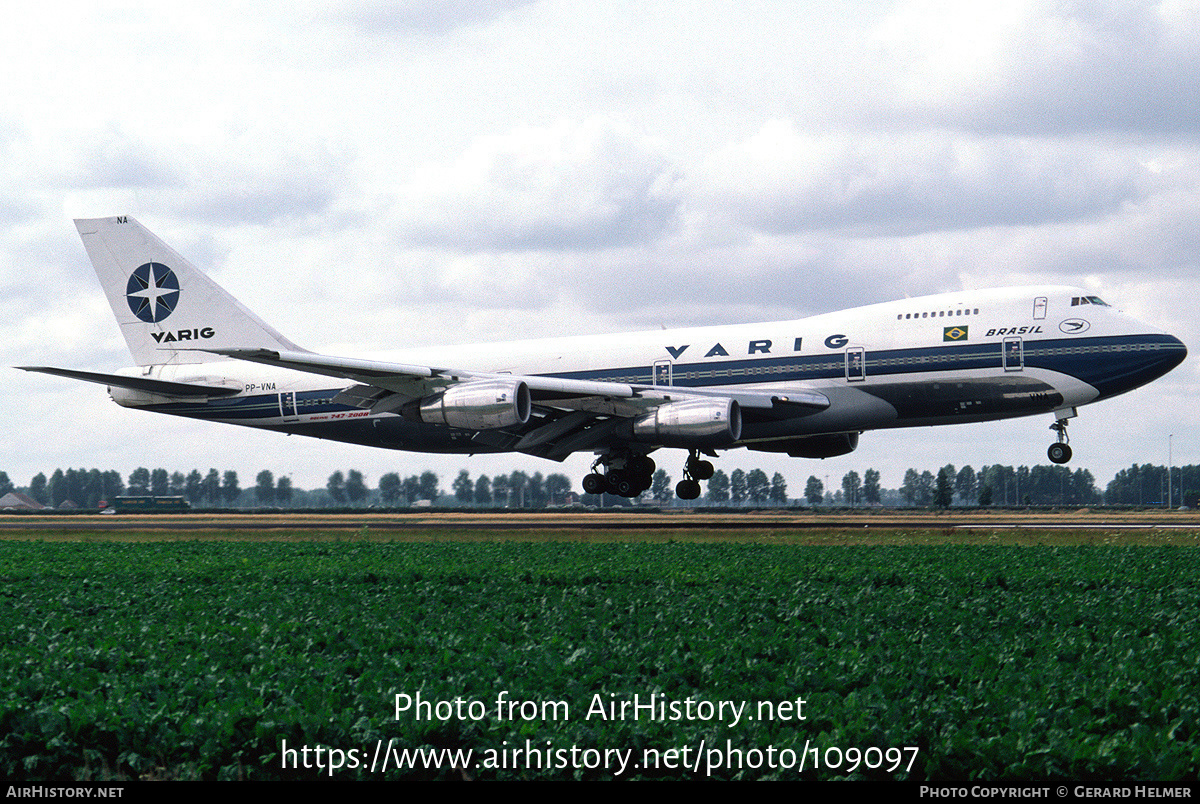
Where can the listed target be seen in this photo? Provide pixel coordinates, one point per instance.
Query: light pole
(1169, 498)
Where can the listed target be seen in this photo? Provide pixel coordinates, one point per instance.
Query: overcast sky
(372, 175)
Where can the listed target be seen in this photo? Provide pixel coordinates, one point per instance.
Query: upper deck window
(939, 313)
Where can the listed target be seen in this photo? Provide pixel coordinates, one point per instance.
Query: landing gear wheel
(694, 469)
(595, 483)
(642, 465)
(1059, 453)
(624, 474)
(621, 484)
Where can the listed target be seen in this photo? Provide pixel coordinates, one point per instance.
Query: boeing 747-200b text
(807, 387)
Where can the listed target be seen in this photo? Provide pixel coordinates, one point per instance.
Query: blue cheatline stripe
(1086, 358)
(1111, 364)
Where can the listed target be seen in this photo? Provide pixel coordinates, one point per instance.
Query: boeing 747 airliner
(807, 387)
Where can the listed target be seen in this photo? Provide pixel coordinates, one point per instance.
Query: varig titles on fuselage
(756, 347)
(766, 346)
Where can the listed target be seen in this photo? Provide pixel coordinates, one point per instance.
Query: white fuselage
(956, 357)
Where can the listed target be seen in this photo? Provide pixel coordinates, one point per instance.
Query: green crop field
(372, 660)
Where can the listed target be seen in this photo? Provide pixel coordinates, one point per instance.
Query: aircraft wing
(415, 381)
(573, 415)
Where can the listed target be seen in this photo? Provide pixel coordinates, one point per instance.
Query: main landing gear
(1060, 451)
(696, 469)
(625, 475)
(629, 474)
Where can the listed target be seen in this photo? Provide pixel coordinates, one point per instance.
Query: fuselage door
(1039, 308)
(1014, 354)
(856, 364)
(287, 406)
(663, 371)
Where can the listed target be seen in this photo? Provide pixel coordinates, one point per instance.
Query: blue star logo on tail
(152, 292)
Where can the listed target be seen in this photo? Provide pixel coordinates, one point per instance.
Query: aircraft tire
(595, 483)
(621, 484)
(687, 489)
(642, 465)
(1059, 453)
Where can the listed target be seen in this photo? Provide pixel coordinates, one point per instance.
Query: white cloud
(1044, 66)
(368, 176)
(589, 185)
(437, 17)
(782, 180)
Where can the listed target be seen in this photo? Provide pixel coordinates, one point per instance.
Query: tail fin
(166, 307)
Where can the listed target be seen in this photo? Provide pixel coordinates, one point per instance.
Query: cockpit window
(1078, 300)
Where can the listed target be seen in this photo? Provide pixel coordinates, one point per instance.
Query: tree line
(1042, 485)
(736, 488)
(1000, 485)
(1144, 485)
(990, 485)
(1148, 485)
(86, 488)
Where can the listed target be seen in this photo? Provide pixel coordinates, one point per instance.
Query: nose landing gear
(1060, 451)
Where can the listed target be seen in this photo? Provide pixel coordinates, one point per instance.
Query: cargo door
(856, 364)
(287, 406)
(1014, 354)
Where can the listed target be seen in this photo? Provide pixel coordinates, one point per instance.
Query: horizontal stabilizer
(146, 384)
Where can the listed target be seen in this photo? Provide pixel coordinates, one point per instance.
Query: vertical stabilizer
(165, 306)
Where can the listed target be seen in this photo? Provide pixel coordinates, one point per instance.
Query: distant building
(14, 501)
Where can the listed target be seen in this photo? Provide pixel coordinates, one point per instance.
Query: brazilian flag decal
(954, 333)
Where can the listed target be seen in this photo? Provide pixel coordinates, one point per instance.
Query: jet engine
(818, 446)
(691, 424)
(479, 405)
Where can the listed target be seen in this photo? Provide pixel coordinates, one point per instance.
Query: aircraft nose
(1167, 353)
(1143, 359)
(1174, 352)
(1176, 345)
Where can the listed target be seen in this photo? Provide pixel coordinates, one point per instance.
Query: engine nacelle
(479, 405)
(693, 423)
(818, 446)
